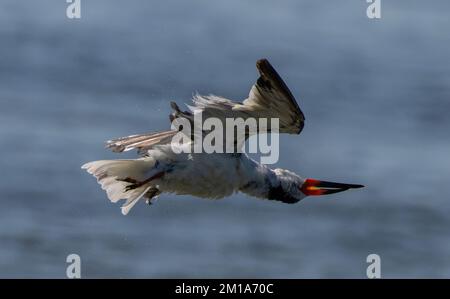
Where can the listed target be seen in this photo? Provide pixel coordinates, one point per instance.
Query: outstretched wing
(271, 98)
(141, 142)
(268, 98)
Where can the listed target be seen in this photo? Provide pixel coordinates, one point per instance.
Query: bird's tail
(115, 175)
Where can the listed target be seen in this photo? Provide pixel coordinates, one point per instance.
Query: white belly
(203, 175)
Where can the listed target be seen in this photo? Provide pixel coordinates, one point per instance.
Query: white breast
(202, 175)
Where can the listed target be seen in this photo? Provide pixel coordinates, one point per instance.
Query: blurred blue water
(376, 95)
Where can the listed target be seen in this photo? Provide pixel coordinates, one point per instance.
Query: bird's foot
(133, 183)
(133, 186)
(151, 195)
(136, 184)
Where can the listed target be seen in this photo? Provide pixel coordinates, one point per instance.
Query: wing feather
(269, 98)
(141, 142)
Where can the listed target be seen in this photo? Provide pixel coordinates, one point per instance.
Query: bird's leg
(136, 184)
(150, 194)
(128, 180)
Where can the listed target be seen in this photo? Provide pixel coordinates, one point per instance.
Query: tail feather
(109, 172)
(132, 201)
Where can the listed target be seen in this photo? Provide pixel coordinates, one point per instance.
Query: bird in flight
(215, 175)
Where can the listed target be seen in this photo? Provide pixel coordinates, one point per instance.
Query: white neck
(263, 182)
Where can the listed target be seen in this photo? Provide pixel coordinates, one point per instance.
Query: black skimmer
(211, 175)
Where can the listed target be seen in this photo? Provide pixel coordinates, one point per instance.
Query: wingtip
(114, 146)
(174, 106)
(267, 71)
(261, 63)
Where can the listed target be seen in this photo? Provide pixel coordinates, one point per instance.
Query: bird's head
(293, 188)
